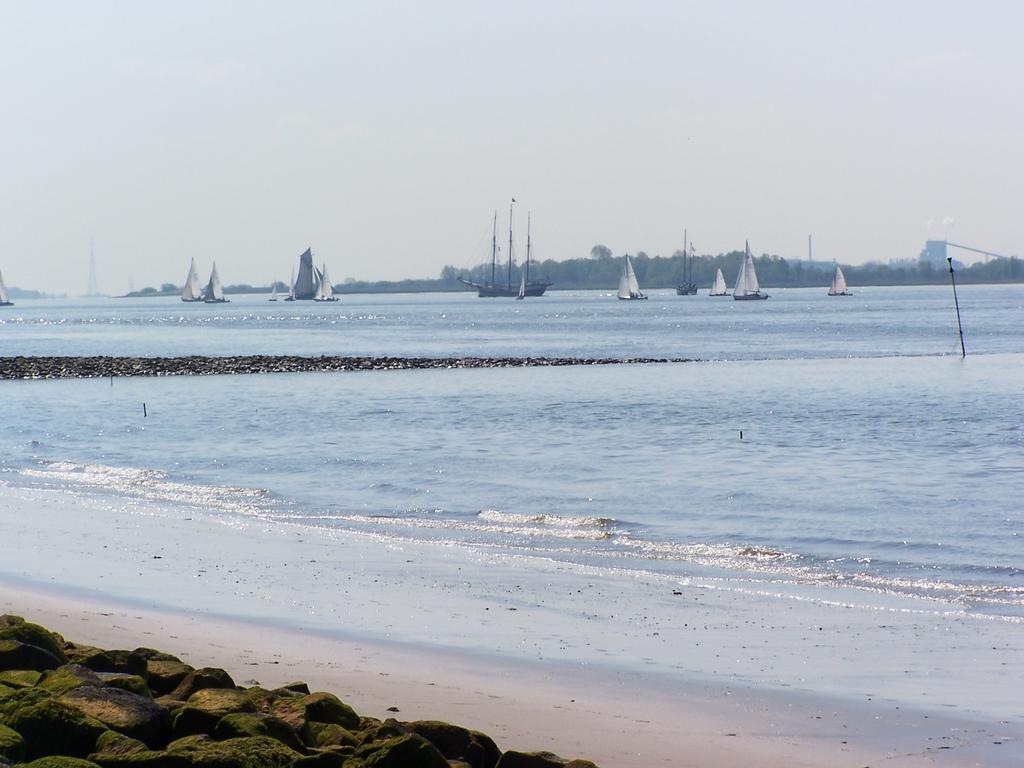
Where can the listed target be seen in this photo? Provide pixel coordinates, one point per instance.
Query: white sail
(746, 281)
(273, 291)
(324, 291)
(522, 287)
(838, 283)
(4, 299)
(193, 288)
(214, 291)
(629, 288)
(719, 288)
(291, 286)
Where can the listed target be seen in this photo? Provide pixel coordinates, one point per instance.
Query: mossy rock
(20, 678)
(152, 654)
(328, 708)
(382, 731)
(328, 735)
(69, 677)
(12, 745)
(262, 699)
(123, 711)
(322, 760)
(59, 761)
(117, 745)
(189, 721)
(408, 751)
(16, 628)
(126, 682)
(291, 710)
(164, 675)
(513, 759)
(15, 654)
(127, 662)
(49, 726)
(114, 750)
(458, 743)
(221, 701)
(257, 724)
(201, 679)
(296, 687)
(245, 752)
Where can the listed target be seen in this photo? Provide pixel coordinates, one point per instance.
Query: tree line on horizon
(602, 269)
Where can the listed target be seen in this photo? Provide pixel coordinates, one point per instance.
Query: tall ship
(687, 287)
(838, 287)
(492, 288)
(308, 281)
(747, 287)
(5, 300)
(193, 290)
(629, 288)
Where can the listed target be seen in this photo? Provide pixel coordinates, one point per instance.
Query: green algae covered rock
(328, 735)
(126, 662)
(12, 745)
(49, 726)
(16, 628)
(408, 751)
(123, 711)
(164, 675)
(328, 708)
(59, 761)
(69, 677)
(20, 678)
(15, 654)
(241, 724)
(126, 682)
(201, 679)
(322, 760)
(245, 752)
(221, 701)
(117, 744)
(512, 759)
(114, 750)
(458, 743)
(189, 721)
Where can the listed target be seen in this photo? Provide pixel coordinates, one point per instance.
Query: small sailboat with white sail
(214, 293)
(273, 290)
(324, 290)
(5, 299)
(522, 288)
(838, 287)
(291, 287)
(193, 290)
(629, 288)
(719, 288)
(747, 287)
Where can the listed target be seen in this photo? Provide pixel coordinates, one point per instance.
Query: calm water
(871, 457)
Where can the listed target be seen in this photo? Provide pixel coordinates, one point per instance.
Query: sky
(385, 134)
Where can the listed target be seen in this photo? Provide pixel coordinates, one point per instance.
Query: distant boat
(291, 287)
(492, 288)
(687, 287)
(522, 288)
(719, 288)
(838, 287)
(325, 291)
(193, 288)
(629, 289)
(5, 300)
(273, 291)
(214, 294)
(747, 288)
(305, 285)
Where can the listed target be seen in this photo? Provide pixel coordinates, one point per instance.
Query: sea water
(827, 449)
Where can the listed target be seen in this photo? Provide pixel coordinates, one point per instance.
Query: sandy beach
(617, 720)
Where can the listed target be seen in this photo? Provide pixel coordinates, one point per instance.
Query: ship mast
(510, 242)
(494, 247)
(526, 278)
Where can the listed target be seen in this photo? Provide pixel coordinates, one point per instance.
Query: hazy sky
(385, 134)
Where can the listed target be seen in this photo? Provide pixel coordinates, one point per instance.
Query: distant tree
(600, 252)
(168, 288)
(449, 274)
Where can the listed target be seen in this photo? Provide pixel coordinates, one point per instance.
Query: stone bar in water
(103, 366)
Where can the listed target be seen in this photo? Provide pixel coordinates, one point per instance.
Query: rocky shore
(103, 367)
(67, 705)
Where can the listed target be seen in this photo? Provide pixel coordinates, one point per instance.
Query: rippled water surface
(870, 456)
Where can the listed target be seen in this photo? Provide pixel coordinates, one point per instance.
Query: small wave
(553, 521)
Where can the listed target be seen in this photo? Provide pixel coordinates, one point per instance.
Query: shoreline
(616, 719)
(92, 367)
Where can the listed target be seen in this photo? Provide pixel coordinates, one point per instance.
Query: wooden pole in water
(956, 302)
(144, 414)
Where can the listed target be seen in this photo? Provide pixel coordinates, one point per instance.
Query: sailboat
(522, 288)
(193, 288)
(719, 288)
(492, 288)
(273, 290)
(291, 287)
(214, 294)
(687, 287)
(838, 287)
(5, 300)
(629, 289)
(325, 291)
(746, 288)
